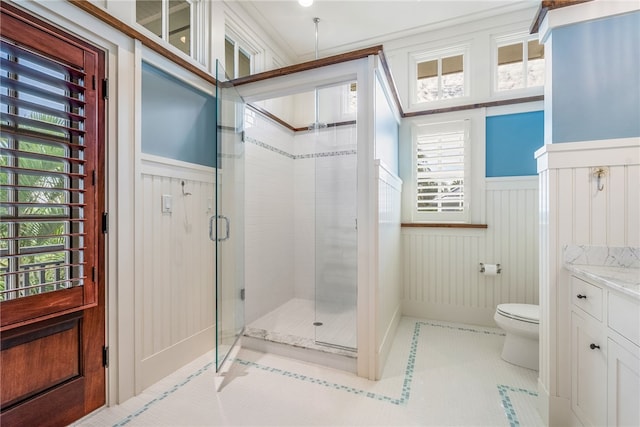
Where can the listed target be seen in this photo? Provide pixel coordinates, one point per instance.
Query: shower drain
(317, 323)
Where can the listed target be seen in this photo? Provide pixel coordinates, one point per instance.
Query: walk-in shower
(304, 275)
(322, 212)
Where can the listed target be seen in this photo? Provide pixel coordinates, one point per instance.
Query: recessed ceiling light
(305, 3)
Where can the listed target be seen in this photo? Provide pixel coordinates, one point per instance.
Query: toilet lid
(527, 312)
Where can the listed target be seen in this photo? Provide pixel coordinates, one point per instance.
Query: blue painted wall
(178, 121)
(511, 141)
(596, 79)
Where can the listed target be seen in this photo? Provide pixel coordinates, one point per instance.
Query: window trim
(498, 41)
(433, 54)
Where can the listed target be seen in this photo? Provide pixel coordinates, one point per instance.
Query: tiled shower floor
(293, 323)
(437, 374)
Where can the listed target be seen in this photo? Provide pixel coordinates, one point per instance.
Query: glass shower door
(336, 244)
(227, 225)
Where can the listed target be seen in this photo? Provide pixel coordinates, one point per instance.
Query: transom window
(237, 60)
(171, 20)
(519, 63)
(440, 75)
(441, 168)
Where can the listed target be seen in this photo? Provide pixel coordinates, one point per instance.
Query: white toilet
(520, 322)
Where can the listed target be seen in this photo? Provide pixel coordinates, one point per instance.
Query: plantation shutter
(440, 168)
(43, 180)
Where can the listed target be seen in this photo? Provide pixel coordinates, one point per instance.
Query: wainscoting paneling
(176, 308)
(441, 278)
(576, 212)
(388, 293)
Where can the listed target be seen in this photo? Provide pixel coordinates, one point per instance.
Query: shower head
(317, 125)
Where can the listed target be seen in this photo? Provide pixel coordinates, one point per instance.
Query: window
(171, 20)
(43, 172)
(519, 63)
(440, 75)
(236, 59)
(49, 176)
(441, 168)
(350, 99)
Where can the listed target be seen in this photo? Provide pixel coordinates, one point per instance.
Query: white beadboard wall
(175, 293)
(388, 293)
(573, 211)
(440, 266)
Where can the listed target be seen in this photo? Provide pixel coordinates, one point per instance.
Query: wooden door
(52, 296)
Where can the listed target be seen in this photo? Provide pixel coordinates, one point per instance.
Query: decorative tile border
(326, 154)
(318, 381)
(163, 396)
(509, 410)
(403, 399)
(268, 147)
(299, 156)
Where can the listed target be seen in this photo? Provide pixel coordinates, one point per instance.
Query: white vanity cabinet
(605, 355)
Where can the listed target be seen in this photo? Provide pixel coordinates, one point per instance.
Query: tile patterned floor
(437, 374)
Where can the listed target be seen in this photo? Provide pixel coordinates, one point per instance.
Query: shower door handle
(212, 234)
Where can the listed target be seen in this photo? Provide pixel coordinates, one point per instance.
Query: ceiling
(350, 25)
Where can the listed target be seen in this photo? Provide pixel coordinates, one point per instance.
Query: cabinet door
(589, 376)
(623, 385)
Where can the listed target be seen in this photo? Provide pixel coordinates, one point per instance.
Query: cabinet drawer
(587, 297)
(624, 317)
(589, 370)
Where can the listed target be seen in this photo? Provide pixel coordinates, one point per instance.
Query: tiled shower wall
(269, 215)
(280, 209)
(324, 178)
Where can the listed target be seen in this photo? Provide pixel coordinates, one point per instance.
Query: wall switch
(167, 203)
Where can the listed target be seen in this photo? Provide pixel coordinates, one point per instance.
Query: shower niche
(322, 198)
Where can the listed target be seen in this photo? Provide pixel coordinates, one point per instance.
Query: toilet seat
(529, 313)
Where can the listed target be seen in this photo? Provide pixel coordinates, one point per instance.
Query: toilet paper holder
(498, 268)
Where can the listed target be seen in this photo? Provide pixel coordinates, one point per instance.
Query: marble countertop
(623, 279)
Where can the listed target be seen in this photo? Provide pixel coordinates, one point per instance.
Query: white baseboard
(163, 363)
(554, 410)
(450, 313)
(387, 340)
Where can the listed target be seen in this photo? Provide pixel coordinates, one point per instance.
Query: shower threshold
(296, 341)
(288, 331)
(300, 348)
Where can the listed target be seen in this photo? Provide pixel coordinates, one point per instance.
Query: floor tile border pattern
(299, 156)
(503, 390)
(509, 410)
(163, 396)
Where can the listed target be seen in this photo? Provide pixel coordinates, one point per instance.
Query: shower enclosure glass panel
(226, 227)
(336, 235)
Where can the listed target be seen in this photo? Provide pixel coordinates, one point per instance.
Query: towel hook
(599, 173)
(183, 192)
